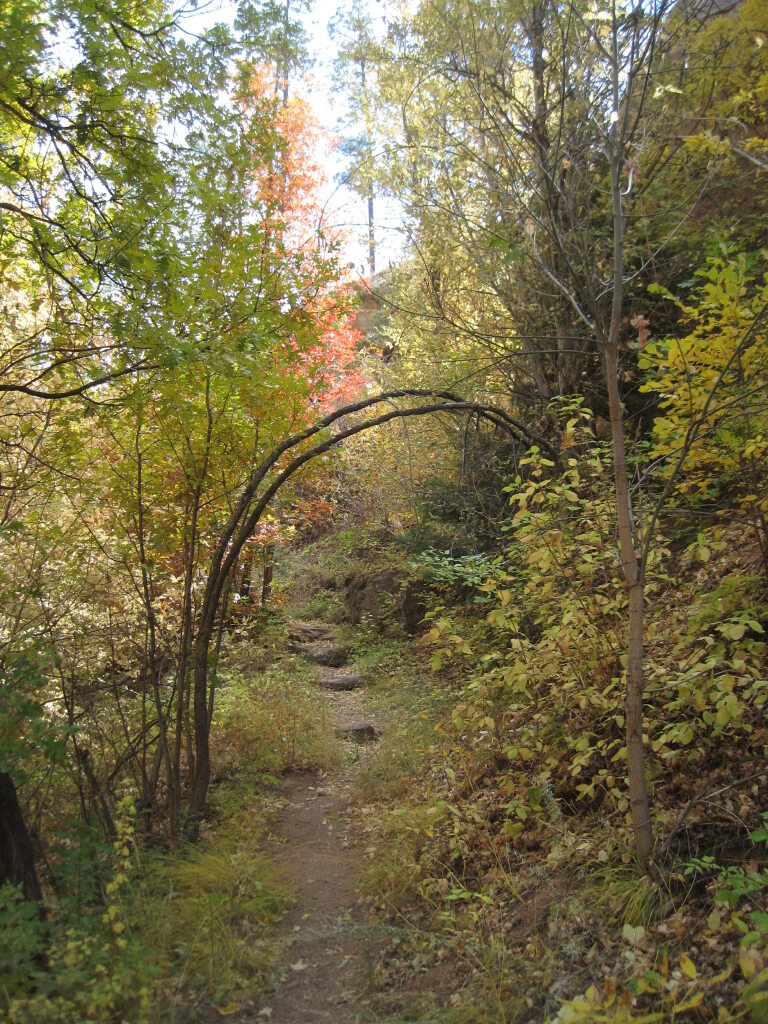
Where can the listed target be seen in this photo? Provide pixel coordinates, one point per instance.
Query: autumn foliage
(288, 184)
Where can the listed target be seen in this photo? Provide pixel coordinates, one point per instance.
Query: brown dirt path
(328, 945)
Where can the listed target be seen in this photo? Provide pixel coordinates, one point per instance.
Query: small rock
(342, 681)
(360, 732)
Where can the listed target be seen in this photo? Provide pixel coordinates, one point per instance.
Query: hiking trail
(328, 944)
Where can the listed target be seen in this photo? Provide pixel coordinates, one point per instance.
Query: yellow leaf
(609, 993)
(664, 968)
(689, 1004)
(687, 966)
(592, 996)
(227, 1009)
(722, 976)
(750, 963)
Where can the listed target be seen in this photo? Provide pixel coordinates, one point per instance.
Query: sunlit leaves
(710, 384)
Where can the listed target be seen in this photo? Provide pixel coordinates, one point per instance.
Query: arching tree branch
(251, 505)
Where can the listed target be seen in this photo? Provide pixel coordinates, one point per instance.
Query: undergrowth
(138, 933)
(310, 583)
(513, 841)
(85, 962)
(204, 914)
(275, 719)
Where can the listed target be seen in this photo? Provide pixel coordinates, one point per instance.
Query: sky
(344, 208)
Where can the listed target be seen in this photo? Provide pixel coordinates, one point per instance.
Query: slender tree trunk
(213, 662)
(181, 670)
(246, 581)
(286, 23)
(202, 776)
(269, 569)
(146, 582)
(190, 558)
(634, 578)
(371, 237)
(629, 544)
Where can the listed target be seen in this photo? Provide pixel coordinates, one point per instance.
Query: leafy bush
(711, 385)
(465, 573)
(543, 670)
(743, 890)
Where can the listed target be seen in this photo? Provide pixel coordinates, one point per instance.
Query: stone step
(330, 655)
(360, 732)
(341, 681)
(310, 631)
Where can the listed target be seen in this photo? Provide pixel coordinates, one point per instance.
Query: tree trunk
(17, 858)
(639, 801)
(269, 569)
(371, 236)
(633, 574)
(630, 547)
(202, 776)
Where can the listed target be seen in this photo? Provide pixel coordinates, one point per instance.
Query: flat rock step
(360, 732)
(309, 631)
(341, 681)
(330, 655)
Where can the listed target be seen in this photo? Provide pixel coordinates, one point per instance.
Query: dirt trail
(326, 960)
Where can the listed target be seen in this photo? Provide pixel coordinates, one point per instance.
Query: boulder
(308, 632)
(387, 596)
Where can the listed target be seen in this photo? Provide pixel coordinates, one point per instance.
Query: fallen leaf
(687, 966)
(300, 965)
(690, 1004)
(750, 963)
(633, 934)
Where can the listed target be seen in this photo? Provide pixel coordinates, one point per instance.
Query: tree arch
(252, 504)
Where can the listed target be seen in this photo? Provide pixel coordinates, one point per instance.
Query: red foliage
(288, 185)
(329, 365)
(289, 168)
(291, 152)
